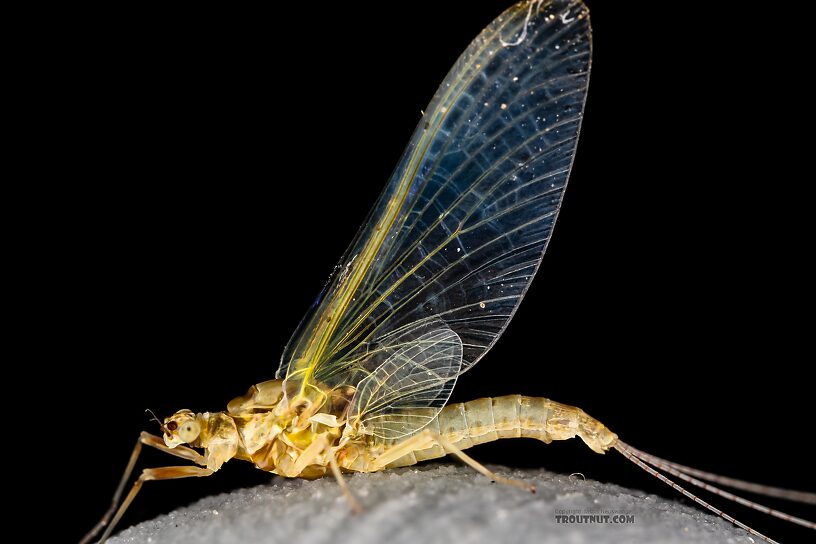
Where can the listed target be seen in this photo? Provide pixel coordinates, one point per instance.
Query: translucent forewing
(461, 227)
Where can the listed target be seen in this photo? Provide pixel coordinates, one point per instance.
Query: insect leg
(419, 441)
(449, 447)
(426, 439)
(355, 505)
(179, 451)
(308, 455)
(163, 473)
(148, 440)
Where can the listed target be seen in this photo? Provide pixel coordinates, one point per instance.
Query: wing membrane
(418, 371)
(461, 227)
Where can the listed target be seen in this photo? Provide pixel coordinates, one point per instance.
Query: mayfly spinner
(428, 286)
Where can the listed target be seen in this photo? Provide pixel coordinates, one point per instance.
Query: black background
(199, 174)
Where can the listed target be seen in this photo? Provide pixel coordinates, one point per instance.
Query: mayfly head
(181, 428)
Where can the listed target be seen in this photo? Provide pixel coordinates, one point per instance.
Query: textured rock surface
(433, 503)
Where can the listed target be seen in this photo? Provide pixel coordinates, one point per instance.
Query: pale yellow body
(305, 436)
(259, 427)
(513, 416)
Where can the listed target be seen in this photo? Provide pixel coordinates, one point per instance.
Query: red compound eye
(172, 426)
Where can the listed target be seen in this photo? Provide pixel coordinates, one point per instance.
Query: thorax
(277, 437)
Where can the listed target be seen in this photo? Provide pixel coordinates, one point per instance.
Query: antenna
(149, 411)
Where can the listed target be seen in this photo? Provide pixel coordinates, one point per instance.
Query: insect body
(427, 286)
(260, 427)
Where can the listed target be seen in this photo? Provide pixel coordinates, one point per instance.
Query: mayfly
(427, 287)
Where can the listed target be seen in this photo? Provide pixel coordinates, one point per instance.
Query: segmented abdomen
(513, 416)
